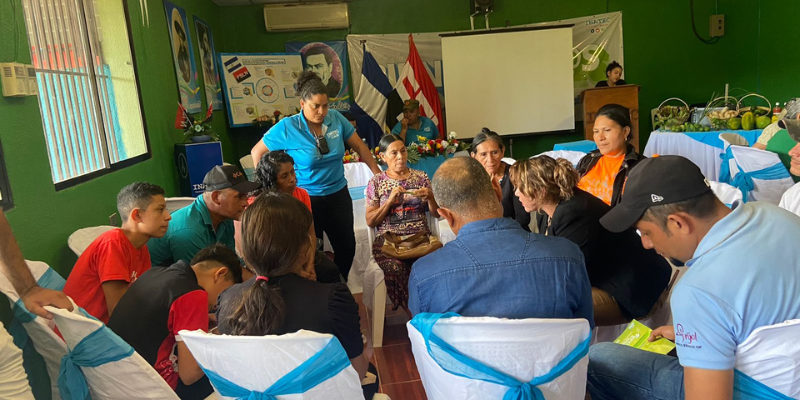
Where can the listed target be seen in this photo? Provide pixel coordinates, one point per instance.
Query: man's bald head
(462, 185)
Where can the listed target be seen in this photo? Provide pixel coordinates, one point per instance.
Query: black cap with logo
(655, 182)
(228, 176)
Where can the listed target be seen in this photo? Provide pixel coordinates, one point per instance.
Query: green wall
(43, 218)
(661, 52)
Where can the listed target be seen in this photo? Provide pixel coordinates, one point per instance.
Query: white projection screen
(513, 82)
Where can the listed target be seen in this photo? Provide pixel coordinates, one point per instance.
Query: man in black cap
(206, 221)
(741, 276)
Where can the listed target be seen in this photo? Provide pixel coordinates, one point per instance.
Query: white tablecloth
(688, 145)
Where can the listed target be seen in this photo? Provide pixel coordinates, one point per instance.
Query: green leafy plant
(193, 127)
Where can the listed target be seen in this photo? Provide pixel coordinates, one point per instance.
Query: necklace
(315, 133)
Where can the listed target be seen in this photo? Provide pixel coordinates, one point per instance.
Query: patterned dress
(406, 218)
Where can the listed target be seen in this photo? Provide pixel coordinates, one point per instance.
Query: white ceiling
(261, 2)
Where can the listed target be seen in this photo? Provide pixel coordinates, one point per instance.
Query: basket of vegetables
(722, 112)
(754, 116)
(671, 117)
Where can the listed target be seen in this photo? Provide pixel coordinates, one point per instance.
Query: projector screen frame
(576, 120)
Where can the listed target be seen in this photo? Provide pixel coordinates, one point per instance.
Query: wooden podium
(625, 95)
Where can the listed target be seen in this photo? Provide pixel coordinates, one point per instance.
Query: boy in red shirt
(116, 258)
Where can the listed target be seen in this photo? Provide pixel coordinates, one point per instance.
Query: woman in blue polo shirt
(316, 139)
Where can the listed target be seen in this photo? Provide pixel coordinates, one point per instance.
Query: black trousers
(333, 214)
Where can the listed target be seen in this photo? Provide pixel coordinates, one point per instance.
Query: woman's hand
(424, 194)
(396, 196)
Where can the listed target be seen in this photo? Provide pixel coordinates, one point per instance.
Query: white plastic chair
(523, 349)
(79, 240)
(258, 362)
(176, 203)
(40, 331)
(771, 356)
(374, 295)
(128, 378)
(572, 156)
(248, 167)
(764, 169)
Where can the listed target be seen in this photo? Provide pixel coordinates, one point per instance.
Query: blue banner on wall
(329, 60)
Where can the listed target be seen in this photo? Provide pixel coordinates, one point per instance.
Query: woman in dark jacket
(488, 149)
(603, 171)
(626, 278)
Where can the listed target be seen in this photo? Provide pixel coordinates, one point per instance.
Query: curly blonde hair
(544, 179)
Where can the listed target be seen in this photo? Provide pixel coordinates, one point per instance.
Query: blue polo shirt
(745, 274)
(494, 268)
(426, 128)
(320, 175)
(190, 231)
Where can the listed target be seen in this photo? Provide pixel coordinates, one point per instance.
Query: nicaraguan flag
(374, 96)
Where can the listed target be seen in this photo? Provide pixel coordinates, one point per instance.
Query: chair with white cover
(768, 363)
(726, 193)
(570, 155)
(728, 164)
(79, 240)
(101, 364)
(375, 295)
(790, 200)
(496, 358)
(300, 365)
(13, 379)
(509, 160)
(248, 167)
(759, 175)
(176, 203)
(29, 329)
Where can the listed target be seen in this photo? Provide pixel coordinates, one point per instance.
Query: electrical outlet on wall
(114, 220)
(716, 25)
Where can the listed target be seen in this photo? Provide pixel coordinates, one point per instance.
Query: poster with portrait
(183, 57)
(211, 84)
(259, 84)
(329, 61)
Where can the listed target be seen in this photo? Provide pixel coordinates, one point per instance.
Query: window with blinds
(88, 92)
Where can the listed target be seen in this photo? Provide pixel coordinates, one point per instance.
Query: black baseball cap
(228, 176)
(654, 182)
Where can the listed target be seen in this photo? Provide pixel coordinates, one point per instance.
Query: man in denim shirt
(495, 268)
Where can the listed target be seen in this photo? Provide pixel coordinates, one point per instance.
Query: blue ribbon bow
(97, 348)
(745, 388)
(725, 167)
(50, 279)
(324, 365)
(457, 363)
(744, 180)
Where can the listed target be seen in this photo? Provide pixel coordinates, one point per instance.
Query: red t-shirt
(111, 257)
(189, 312)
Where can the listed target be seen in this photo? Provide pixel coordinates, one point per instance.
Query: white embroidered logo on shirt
(333, 134)
(656, 198)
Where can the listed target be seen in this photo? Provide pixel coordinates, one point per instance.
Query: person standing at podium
(603, 171)
(614, 75)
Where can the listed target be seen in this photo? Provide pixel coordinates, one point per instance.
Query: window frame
(112, 167)
(7, 203)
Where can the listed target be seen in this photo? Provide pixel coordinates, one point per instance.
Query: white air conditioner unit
(306, 17)
(14, 79)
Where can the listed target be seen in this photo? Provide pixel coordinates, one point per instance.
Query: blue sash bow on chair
(97, 348)
(725, 167)
(50, 279)
(457, 363)
(324, 365)
(745, 388)
(744, 180)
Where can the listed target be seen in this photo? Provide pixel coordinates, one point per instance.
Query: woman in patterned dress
(397, 200)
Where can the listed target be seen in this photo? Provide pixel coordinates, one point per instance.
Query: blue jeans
(622, 372)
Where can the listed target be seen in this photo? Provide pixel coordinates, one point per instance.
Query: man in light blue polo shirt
(413, 125)
(744, 273)
(206, 221)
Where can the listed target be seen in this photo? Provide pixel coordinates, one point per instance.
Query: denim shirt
(496, 269)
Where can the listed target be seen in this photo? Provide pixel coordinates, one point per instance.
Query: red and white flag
(414, 82)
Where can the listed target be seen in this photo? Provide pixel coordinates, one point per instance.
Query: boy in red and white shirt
(117, 257)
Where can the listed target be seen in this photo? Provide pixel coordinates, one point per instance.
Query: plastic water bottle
(776, 112)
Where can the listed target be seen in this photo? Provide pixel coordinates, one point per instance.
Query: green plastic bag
(636, 334)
